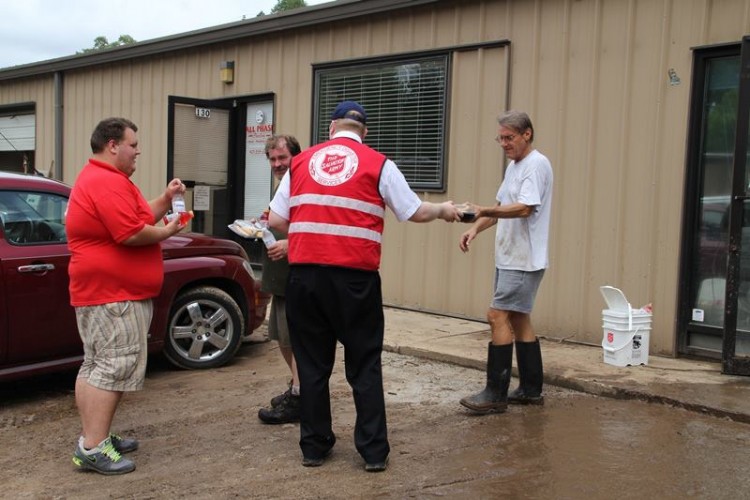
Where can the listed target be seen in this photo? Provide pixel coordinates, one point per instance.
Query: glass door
(736, 341)
(714, 296)
(200, 153)
(709, 182)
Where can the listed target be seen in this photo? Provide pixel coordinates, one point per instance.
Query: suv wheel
(205, 329)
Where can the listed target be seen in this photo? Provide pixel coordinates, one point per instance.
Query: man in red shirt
(115, 270)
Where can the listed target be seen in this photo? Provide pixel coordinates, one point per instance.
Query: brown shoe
(279, 399)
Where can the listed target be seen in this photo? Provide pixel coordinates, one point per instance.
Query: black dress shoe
(315, 462)
(377, 466)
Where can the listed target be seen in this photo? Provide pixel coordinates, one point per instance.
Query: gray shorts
(516, 290)
(115, 344)
(277, 327)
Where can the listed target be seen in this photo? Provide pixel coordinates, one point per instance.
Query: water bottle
(268, 238)
(178, 203)
(179, 209)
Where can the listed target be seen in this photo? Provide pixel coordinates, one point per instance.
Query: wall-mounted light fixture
(226, 71)
(673, 78)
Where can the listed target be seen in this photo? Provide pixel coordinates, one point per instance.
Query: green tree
(101, 43)
(283, 5)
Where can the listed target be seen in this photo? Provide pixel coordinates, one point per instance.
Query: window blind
(405, 102)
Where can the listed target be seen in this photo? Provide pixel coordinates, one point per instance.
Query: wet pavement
(201, 438)
(694, 385)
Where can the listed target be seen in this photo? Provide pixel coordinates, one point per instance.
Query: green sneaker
(105, 460)
(123, 445)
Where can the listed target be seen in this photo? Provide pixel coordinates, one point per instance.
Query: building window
(18, 139)
(405, 100)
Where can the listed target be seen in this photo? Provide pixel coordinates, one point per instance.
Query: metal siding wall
(475, 171)
(40, 92)
(617, 149)
(422, 265)
(603, 193)
(591, 73)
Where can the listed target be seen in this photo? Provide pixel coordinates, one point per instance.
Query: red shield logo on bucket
(610, 337)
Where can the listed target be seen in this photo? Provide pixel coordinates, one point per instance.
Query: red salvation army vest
(336, 213)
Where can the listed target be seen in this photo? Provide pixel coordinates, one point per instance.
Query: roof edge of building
(257, 26)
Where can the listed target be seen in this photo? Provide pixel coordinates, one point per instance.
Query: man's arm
(153, 234)
(481, 223)
(406, 205)
(429, 211)
(277, 222)
(511, 211)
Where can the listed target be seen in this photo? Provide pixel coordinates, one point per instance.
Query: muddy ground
(200, 438)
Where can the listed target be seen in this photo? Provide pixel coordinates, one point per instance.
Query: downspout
(58, 99)
(507, 76)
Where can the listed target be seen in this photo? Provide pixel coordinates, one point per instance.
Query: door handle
(36, 268)
(741, 198)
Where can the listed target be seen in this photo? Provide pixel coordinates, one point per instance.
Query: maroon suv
(209, 302)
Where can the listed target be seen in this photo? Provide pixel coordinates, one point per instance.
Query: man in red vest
(332, 204)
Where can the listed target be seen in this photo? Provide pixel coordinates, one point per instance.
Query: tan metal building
(632, 101)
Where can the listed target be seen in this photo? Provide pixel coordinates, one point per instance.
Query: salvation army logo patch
(333, 165)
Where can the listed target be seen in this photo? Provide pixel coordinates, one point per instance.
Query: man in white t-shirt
(522, 215)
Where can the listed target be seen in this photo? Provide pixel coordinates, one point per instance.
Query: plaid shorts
(115, 344)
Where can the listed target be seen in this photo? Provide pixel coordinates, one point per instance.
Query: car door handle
(36, 268)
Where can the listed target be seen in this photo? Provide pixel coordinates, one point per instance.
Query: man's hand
(466, 238)
(449, 212)
(175, 186)
(469, 211)
(278, 250)
(174, 226)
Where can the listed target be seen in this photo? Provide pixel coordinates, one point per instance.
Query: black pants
(327, 304)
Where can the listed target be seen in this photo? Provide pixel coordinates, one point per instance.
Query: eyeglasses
(505, 138)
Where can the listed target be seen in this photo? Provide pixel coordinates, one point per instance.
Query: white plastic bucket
(626, 347)
(626, 332)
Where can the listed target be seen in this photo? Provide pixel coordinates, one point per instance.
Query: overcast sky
(37, 30)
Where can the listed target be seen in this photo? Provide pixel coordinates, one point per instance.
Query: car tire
(204, 330)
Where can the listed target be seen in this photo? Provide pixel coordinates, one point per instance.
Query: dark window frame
(413, 158)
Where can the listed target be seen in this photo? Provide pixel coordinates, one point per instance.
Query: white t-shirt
(393, 187)
(521, 243)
